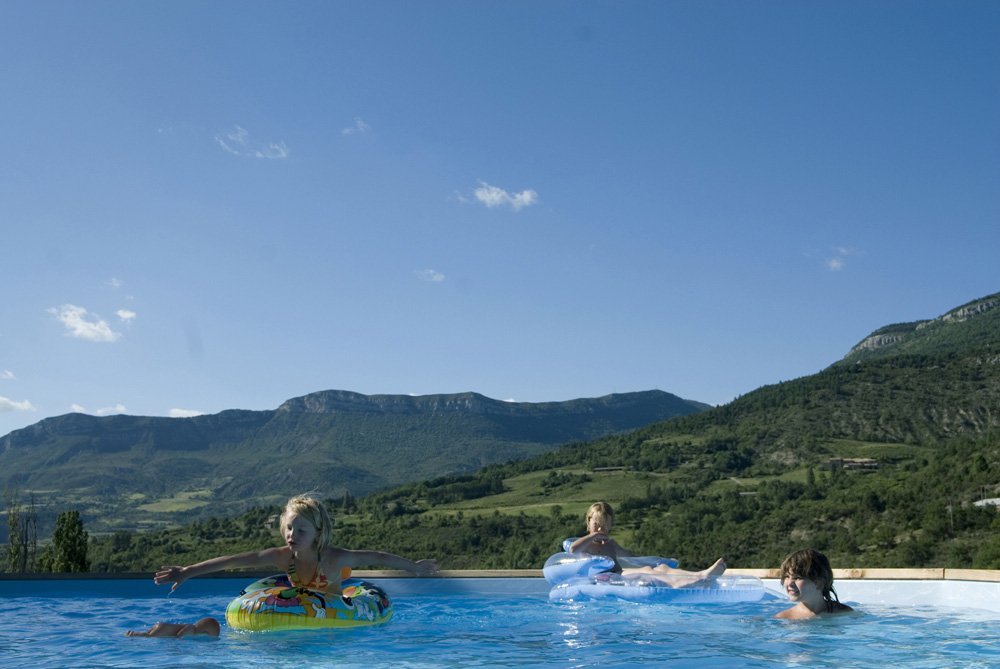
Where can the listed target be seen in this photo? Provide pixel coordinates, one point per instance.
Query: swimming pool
(503, 623)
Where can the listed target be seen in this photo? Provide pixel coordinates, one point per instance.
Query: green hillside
(128, 472)
(877, 460)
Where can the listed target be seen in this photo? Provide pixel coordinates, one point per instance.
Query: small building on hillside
(855, 464)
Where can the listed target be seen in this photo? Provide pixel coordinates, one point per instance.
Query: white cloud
(494, 196)
(359, 127)
(234, 141)
(82, 325)
(237, 142)
(525, 198)
(76, 408)
(7, 375)
(839, 259)
(185, 413)
(126, 315)
(11, 405)
(431, 275)
(273, 151)
(115, 283)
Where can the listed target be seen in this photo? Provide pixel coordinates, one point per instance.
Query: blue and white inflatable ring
(580, 577)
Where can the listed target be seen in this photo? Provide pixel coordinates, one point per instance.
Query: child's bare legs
(206, 626)
(679, 578)
(159, 629)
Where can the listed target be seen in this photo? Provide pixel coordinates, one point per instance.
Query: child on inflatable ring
(600, 519)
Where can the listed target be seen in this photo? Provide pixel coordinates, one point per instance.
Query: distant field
(526, 492)
(181, 501)
(526, 495)
(847, 448)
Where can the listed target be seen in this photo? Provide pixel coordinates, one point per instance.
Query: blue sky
(215, 205)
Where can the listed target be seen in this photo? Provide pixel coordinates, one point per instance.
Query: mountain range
(126, 472)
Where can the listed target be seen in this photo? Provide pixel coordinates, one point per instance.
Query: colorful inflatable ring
(273, 603)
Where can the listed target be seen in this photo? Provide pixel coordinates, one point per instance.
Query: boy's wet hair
(311, 509)
(813, 565)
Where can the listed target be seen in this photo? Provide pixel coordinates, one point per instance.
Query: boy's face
(800, 588)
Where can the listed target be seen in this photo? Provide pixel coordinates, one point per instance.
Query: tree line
(66, 552)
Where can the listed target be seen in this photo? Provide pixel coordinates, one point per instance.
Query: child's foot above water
(717, 569)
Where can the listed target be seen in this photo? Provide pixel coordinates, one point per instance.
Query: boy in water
(204, 627)
(808, 579)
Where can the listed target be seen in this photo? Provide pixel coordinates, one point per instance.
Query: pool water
(454, 623)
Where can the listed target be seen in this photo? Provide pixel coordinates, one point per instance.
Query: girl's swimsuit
(320, 581)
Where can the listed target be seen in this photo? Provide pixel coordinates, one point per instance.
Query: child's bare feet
(717, 569)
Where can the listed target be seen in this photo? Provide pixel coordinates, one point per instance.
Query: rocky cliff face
(973, 309)
(875, 342)
(908, 333)
(342, 401)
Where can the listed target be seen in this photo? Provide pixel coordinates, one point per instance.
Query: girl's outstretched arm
(249, 560)
(350, 558)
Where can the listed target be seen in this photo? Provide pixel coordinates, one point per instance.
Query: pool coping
(854, 573)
